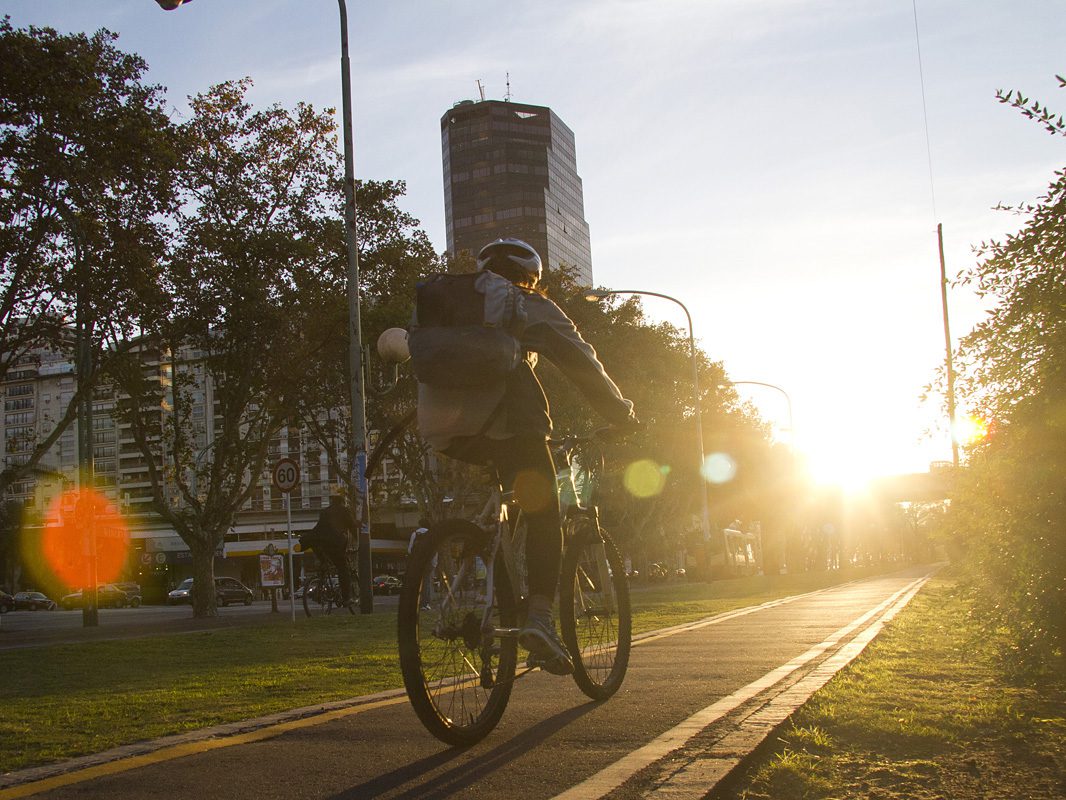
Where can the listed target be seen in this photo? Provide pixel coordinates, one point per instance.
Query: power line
(925, 110)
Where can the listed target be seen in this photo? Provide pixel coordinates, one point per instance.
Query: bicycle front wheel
(319, 599)
(594, 610)
(457, 671)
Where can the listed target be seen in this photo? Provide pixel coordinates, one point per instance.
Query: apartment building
(37, 394)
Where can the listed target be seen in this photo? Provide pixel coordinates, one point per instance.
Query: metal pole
(788, 402)
(90, 611)
(947, 347)
(292, 583)
(357, 455)
(794, 470)
(696, 395)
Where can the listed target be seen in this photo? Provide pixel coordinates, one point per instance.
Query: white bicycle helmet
(504, 255)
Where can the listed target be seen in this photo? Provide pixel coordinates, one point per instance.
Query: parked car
(7, 602)
(133, 593)
(32, 601)
(231, 590)
(227, 590)
(108, 595)
(387, 584)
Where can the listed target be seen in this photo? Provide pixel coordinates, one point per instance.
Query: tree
(258, 190)
(394, 254)
(652, 365)
(85, 156)
(1010, 510)
(11, 523)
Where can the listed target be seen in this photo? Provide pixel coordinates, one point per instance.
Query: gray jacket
(518, 405)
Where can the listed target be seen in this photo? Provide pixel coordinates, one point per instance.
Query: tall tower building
(510, 170)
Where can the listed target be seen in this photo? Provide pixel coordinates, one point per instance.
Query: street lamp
(788, 402)
(595, 296)
(357, 455)
(791, 433)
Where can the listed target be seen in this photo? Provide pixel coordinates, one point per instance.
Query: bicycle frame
(495, 517)
(457, 632)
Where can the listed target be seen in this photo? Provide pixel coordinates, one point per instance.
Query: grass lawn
(67, 700)
(924, 712)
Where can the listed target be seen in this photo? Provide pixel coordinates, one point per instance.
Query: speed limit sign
(286, 475)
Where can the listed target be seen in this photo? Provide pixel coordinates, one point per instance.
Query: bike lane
(551, 742)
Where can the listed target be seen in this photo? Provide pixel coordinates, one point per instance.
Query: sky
(769, 163)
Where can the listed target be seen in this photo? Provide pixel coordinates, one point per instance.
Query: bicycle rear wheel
(594, 610)
(458, 675)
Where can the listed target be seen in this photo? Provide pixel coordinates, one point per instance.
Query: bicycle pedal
(534, 661)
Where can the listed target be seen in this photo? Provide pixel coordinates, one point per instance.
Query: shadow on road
(461, 776)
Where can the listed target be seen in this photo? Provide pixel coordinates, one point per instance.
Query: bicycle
(459, 611)
(322, 591)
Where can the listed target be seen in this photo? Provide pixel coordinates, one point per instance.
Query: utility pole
(947, 347)
(357, 447)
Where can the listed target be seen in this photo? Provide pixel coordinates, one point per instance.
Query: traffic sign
(286, 475)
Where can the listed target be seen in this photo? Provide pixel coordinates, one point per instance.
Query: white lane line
(696, 779)
(614, 775)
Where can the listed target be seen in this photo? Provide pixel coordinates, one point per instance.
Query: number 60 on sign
(286, 475)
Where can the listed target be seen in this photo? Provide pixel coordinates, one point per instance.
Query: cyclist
(329, 539)
(508, 425)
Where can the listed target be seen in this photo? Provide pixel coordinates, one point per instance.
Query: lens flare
(719, 468)
(645, 478)
(84, 523)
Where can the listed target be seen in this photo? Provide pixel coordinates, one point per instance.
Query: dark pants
(525, 466)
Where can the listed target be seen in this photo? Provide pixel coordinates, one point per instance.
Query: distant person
(329, 539)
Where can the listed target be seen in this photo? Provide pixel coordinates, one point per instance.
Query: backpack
(465, 329)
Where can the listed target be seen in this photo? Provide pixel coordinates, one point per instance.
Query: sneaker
(538, 636)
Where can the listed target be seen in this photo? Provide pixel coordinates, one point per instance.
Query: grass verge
(67, 700)
(925, 712)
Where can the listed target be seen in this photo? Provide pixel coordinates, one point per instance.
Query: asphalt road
(32, 628)
(695, 700)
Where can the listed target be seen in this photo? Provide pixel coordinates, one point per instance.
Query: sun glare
(852, 464)
(970, 429)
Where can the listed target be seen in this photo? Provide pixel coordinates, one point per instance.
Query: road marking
(696, 779)
(190, 748)
(725, 616)
(614, 775)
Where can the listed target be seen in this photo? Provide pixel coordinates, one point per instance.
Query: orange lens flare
(83, 523)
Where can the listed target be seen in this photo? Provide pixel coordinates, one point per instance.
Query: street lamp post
(357, 447)
(596, 295)
(83, 367)
(355, 334)
(788, 403)
(791, 433)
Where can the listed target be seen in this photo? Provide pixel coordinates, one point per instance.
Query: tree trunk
(203, 585)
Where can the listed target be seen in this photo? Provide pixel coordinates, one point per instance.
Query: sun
(851, 461)
(846, 469)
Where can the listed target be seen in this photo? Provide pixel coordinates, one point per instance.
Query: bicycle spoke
(594, 611)
(456, 673)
